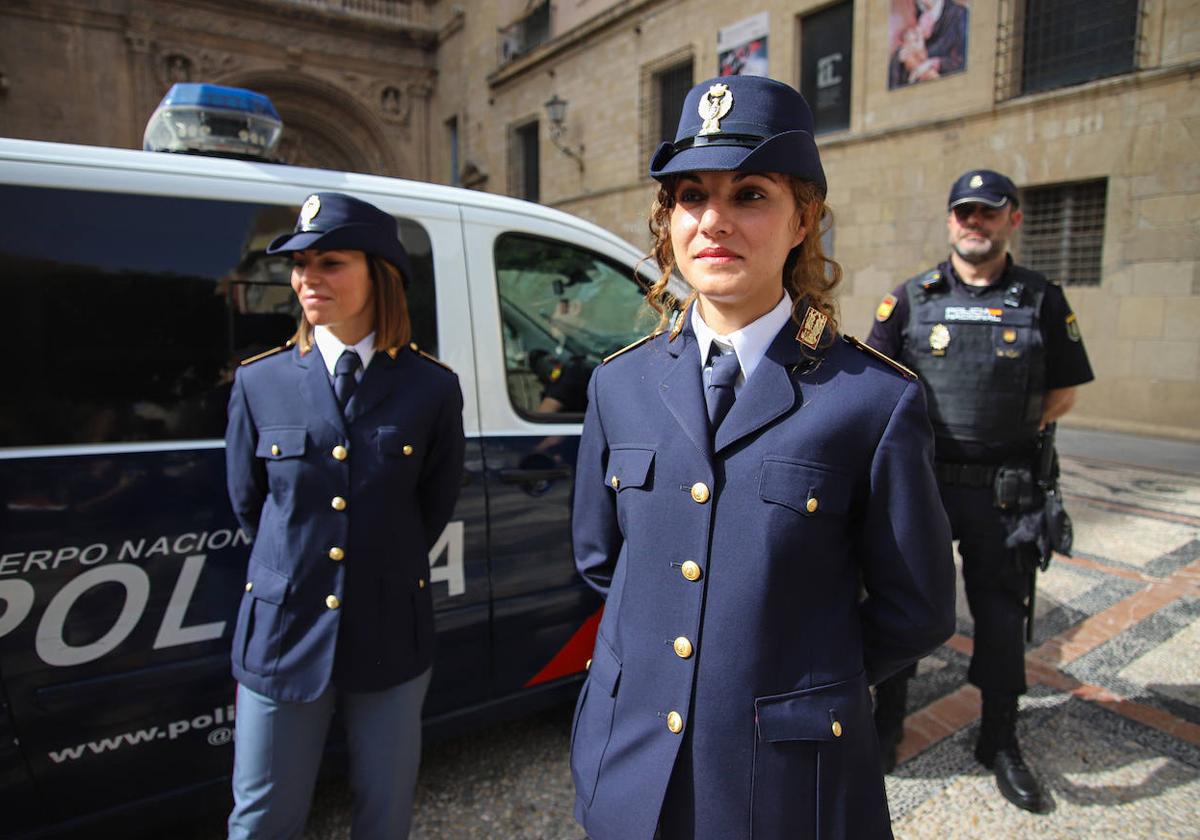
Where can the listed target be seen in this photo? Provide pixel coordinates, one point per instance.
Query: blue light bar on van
(214, 120)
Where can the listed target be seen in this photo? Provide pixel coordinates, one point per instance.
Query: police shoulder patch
(270, 352)
(907, 373)
(1073, 328)
(413, 346)
(631, 346)
(885, 308)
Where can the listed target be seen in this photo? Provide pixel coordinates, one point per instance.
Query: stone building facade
(457, 92)
(352, 80)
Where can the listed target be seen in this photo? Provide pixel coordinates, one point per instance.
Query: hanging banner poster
(742, 47)
(927, 39)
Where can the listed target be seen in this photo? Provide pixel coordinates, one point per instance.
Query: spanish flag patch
(884, 311)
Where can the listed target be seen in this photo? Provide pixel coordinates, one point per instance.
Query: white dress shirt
(332, 349)
(750, 342)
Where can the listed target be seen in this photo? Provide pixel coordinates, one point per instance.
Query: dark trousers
(997, 585)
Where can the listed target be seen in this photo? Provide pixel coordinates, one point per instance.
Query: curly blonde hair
(809, 277)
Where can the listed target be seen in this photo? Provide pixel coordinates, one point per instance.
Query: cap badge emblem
(939, 339)
(308, 212)
(976, 182)
(812, 328)
(714, 105)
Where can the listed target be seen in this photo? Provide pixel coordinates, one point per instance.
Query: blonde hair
(809, 277)
(392, 325)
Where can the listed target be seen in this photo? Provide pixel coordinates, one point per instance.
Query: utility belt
(1012, 484)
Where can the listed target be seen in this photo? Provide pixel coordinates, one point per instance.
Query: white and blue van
(133, 284)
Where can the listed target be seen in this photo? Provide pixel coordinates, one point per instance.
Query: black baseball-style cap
(983, 186)
(332, 221)
(742, 124)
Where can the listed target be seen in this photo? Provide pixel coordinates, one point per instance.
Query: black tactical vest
(980, 356)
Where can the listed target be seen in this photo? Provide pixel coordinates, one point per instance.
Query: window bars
(1062, 234)
(1047, 44)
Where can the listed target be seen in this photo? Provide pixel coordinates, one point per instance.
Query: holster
(1014, 490)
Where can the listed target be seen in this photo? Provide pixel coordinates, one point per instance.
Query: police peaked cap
(983, 186)
(742, 124)
(332, 221)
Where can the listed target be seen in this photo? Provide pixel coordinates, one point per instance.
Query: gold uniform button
(249, 585)
(340, 453)
(683, 647)
(332, 602)
(421, 583)
(338, 503)
(675, 722)
(336, 553)
(588, 665)
(275, 449)
(837, 729)
(690, 570)
(811, 506)
(699, 492)
(615, 482)
(407, 450)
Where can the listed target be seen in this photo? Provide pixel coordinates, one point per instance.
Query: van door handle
(533, 476)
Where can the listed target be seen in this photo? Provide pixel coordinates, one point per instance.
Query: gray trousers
(277, 752)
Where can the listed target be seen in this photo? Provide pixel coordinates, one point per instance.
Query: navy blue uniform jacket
(820, 488)
(340, 595)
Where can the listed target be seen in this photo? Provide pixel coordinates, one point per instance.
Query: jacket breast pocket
(279, 443)
(260, 621)
(807, 489)
(630, 467)
(396, 442)
(592, 728)
(813, 748)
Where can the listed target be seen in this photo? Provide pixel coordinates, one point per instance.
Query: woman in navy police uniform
(344, 452)
(744, 478)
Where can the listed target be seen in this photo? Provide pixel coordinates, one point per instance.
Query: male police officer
(1000, 354)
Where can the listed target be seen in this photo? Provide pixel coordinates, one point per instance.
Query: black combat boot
(891, 701)
(997, 750)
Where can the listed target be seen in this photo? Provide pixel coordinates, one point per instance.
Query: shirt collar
(331, 348)
(751, 342)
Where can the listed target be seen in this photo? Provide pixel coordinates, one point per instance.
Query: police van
(135, 282)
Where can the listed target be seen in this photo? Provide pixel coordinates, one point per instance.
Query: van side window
(563, 309)
(130, 313)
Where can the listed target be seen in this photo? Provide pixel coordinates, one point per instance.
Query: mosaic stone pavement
(1112, 720)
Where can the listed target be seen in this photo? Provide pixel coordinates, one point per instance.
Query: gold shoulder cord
(270, 352)
(413, 346)
(907, 373)
(629, 347)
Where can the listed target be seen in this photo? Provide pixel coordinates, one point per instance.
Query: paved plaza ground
(1112, 719)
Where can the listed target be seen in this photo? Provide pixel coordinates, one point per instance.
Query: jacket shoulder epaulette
(270, 352)
(907, 373)
(413, 346)
(629, 347)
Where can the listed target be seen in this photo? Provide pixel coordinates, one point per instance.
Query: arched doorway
(324, 126)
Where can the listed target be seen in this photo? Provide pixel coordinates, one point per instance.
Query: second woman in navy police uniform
(344, 452)
(744, 478)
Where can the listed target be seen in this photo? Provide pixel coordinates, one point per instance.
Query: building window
(1049, 44)
(1062, 234)
(826, 41)
(452, 139)
(664, 88)
(523, 35)
(523, 170)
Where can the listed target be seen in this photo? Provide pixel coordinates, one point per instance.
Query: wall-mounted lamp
(556, 111)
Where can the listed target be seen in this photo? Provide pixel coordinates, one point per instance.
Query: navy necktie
(344, 382)
(719, 377)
